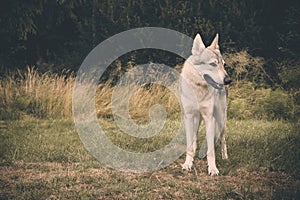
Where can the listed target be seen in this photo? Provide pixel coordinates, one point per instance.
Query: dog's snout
(227, 80)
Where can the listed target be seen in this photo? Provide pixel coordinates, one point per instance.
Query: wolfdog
(203, 96)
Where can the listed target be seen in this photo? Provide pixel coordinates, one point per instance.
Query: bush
(247, 102)
(275, 104)
(243, 67)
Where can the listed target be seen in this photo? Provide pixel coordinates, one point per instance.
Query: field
(55, 54)
(42, 156)
(45, 159)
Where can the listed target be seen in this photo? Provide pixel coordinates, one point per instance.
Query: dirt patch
(65, 179)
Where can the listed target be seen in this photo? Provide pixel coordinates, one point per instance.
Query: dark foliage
(58, 34)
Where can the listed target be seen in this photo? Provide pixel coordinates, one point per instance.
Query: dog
(203, 96)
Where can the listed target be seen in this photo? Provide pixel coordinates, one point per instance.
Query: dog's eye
(213, 64)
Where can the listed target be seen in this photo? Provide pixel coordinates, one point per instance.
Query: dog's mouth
(213, 83)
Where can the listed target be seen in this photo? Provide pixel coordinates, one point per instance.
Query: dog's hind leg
(223, 143)
(191, 122)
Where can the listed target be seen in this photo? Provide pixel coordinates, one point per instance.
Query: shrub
(243, 67)
(247, 102)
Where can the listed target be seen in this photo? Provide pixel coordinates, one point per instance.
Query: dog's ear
(214, 44)
(198, 45)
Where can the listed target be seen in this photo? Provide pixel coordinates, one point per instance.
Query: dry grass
(73, 180)
(35, 94)
(139, 103)
(49, 95)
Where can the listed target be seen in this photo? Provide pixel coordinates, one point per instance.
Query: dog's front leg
(210, 134)
(191, 122)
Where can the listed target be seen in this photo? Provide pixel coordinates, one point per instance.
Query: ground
(44, 159)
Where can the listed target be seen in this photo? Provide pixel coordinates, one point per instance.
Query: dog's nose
(227, 80)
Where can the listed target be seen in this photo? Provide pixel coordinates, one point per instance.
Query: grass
(46, 95)
(45, 159)
(42, 156)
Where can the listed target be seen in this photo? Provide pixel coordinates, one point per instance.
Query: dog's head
(209, 62)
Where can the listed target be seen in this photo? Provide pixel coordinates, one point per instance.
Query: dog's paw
(213, 171)
(187, 166)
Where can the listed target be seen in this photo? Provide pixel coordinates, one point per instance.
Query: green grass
(45, 159)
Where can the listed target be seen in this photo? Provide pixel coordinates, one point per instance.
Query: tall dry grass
(140, 102)
(49, 95)
(30, 93)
